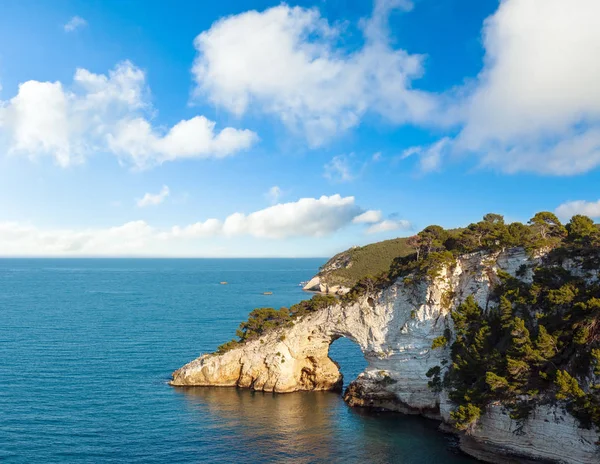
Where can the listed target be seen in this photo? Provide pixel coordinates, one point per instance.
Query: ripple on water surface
(87, 347)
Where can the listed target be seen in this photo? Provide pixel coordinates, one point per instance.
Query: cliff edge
(448, 341)
(338, 275)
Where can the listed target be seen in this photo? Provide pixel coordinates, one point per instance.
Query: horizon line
(162, 257)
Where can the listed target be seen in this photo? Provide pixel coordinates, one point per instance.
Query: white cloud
(26, 240)
(431, 156)
(307, 217)
(571, 208)
(368, 217)
(208, 228)
(150, 199)
(388, 225)
(38, 121)
(536, 104)
(286, 61)
(76, 22)
(376, 29)
(338, 169)
(106, 113)
(193, 138)
(274, 194)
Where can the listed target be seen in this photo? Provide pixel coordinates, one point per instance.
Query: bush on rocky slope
(538, 342)
(263, 320)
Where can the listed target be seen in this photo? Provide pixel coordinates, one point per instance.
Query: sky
(257, 128)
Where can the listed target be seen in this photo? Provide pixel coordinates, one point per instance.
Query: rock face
(395, 329)
(550, 434)
(320, 284)
(316, 284)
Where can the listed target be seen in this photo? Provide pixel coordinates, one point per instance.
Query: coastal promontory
(493, 329)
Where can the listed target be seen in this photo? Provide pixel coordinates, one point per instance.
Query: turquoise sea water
(87, 348)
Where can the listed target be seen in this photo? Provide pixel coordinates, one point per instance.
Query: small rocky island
(493, 329)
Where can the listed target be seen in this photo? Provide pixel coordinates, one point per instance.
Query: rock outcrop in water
(395, 329)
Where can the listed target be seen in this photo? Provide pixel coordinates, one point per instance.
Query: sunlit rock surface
(395, 330)
(316, 284)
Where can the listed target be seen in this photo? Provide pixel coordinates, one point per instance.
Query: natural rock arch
(395, 329)
(349, 358)
(392, 328)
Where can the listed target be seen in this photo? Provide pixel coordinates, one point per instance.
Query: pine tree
(545, 345)
(568, 387)
(505, 309)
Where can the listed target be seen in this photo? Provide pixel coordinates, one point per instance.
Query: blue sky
(258, 128)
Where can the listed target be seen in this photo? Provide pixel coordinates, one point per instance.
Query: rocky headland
(411, 329)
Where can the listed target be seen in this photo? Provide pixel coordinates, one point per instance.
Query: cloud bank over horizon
(251, 110)
(307, 217)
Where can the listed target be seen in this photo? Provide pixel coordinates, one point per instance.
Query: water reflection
(309, 428)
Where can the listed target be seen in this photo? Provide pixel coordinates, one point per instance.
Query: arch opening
(349, 358)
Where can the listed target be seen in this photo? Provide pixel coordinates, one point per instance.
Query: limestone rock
(395, 330)
(317, 284)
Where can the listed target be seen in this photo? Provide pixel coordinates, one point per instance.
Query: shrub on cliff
(262, 320)
(465, 416)
(539, 340)
(433, 248)
(225, 347)
(316, 303)
(540, 343)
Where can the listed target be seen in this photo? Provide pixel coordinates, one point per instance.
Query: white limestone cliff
(395, 329)
(317, 284)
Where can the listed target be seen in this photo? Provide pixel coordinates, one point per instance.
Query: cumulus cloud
(571, 208)
(286, 61)
(536, 104)
(76, 22)
(388, 225)
(106, 113)
(193, 138)
(368, 217)
(307, 217)
(26, 240)
(376, 28)
(150, 199)
(431, 156)
(339, 170)
(208, 228)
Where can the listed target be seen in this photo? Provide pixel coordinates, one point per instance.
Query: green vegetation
(360, 262)
(541, 341)
(439, 342)
(523, 352)
(263, 320)
(465, 417)
(434, 248)
(436, 380)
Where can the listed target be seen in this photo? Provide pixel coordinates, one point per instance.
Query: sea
(87, 347)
